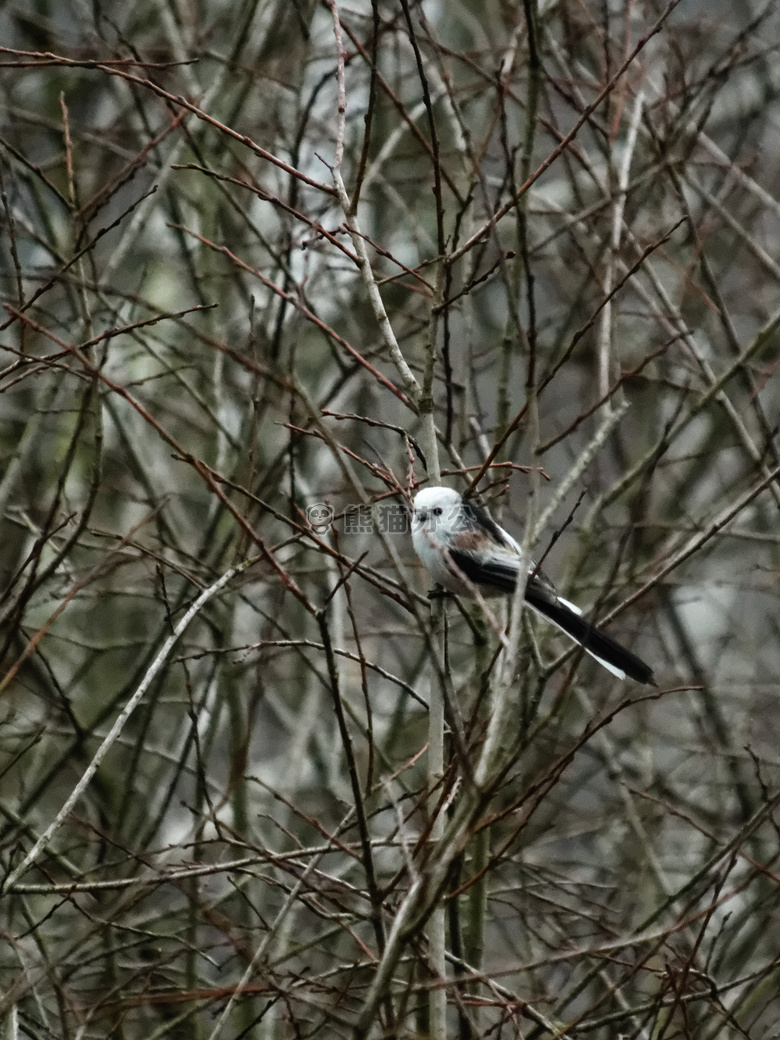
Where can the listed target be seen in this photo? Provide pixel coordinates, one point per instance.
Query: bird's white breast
(431, 549)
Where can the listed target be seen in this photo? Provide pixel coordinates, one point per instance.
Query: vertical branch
(358, 239)
(436, 930)
(354, 779)
(437, 925)
(369, 118)
(618, 208)
(534, 88)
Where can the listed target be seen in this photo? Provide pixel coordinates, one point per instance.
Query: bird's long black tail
(501, 574)
(598, 644)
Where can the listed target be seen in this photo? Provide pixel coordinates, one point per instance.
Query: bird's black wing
(475, 516)
(493, 573)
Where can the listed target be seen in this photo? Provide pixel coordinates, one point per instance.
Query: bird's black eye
(438, 511)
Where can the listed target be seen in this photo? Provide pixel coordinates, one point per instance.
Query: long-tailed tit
(464, 549)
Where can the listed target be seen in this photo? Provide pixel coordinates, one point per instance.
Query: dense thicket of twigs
(267, 268)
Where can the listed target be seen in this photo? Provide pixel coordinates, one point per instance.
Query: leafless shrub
(268, 268)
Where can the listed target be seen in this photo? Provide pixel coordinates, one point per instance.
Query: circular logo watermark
(319, 516)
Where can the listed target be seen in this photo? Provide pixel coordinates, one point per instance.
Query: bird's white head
(437, 510)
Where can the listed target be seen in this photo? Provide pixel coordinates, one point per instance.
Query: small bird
(464, 549)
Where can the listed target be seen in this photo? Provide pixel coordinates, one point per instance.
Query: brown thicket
(268, 267)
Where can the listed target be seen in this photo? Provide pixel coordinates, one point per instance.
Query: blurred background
(571, 210)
